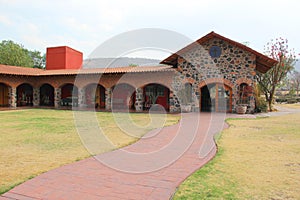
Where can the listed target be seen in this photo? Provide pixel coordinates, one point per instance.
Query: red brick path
(91, 179)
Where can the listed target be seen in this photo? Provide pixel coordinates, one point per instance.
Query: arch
(95, 95)
(216, 97)
(4, 95)
(155, 93)
(46, 95)
(45, 83)
(24, 95)
(244, 80)
(123, 96)
(216, 80)
(69, 95)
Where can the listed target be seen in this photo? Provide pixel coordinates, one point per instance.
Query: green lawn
(257, 159)
(36, 140)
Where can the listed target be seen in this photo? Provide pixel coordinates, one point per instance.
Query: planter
(241, 109)
(186, 108)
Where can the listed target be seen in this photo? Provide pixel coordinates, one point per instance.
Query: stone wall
(233, 67)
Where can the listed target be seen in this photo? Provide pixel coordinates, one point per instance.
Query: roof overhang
(263, 62)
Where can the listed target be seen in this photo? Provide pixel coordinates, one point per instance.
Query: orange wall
(63, 58)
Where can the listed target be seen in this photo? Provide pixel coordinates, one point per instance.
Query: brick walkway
(157, 165)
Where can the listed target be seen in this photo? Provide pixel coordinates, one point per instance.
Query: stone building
(213, 73)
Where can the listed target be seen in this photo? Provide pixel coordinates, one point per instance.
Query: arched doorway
(95, 96)
(69, 95)
(46, 95)
(216, 97)
(156, 94)
(4, 95)
(123, 96)
(24, 95)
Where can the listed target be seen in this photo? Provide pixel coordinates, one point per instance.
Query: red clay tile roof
(13, 70)
(263, 63)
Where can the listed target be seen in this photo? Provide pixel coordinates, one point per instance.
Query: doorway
(216, 97)
(4, 96)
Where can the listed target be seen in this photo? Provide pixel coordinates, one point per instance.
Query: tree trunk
(271, 97)
(270, 105)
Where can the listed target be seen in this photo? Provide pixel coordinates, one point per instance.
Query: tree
(269, 81)
(15, 54)
(38, 59)
(295, 81)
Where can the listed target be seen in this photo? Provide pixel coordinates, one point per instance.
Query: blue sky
(84, 25)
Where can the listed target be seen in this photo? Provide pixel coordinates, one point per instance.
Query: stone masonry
(234, 67)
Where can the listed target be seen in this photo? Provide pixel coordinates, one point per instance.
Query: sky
(85, 24)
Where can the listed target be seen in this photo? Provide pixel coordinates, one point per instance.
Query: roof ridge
(263, 61)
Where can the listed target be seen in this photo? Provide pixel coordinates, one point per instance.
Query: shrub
(261, 105)
(281, 100)
(291, 100)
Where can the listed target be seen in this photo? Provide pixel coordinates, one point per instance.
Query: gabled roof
(263, 63)
(24, 71)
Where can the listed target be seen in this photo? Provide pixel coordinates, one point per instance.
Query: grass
(293, 106)
(36, 140)
(257, 159)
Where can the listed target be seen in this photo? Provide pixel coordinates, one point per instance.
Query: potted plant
(241, 108)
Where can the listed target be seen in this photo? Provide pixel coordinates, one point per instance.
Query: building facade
(213, 73)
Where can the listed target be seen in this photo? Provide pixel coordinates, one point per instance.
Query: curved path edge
(91, 179)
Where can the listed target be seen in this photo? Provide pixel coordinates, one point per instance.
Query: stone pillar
(139, 99)
(13, 97)
(36, 97)
(81, 98)
(252, 104)
(173, 103)
(108, 99)
(57, 97)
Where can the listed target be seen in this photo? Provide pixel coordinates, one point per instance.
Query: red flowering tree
(277, 49)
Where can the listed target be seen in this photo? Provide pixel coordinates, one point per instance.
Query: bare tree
(269, 81)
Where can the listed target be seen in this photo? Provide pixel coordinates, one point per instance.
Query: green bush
(261, 105)
(281, 100)
(291, 100)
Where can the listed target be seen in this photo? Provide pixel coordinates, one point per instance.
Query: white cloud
(86, 24)
(5, 20)
(75, 25)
